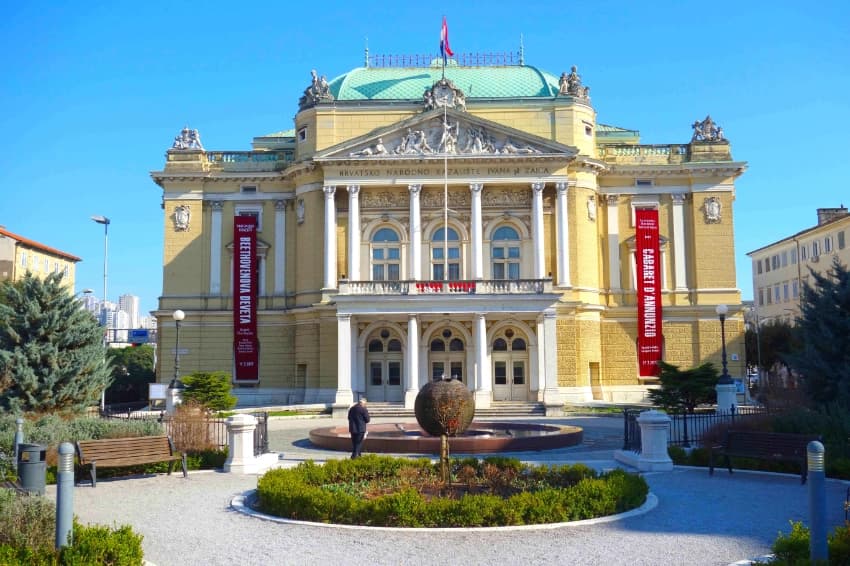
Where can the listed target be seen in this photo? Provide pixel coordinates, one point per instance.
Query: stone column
(411, 377)
(563, 235)
(330, 238)
(344, 396)
(537, 228)
(727, 397)
(215, 248)
(549, 376)
(654, 433)
(537, 358)
(614, 243)
(679, 244)
(280, 247)
(240, 437)
(353, 233)
(415, 233)
(477, 232)
(483, 390)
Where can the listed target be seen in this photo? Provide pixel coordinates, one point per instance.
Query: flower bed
(384, 491)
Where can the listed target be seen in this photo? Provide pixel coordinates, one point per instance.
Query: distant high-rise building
(130, 305)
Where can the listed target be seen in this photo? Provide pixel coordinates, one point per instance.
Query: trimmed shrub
(793, 549)
(379, 490)
(26, 521)
(209, 389)
(97, 544)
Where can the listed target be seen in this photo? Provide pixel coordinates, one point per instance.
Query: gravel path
(699, 520)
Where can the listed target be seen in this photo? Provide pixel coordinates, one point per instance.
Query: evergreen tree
(823, 356)
(132, 369)
(684, 389)
(51, 350)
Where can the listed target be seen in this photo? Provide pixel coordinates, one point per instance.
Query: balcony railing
(649, 154)
(484, 287)
(249, 160)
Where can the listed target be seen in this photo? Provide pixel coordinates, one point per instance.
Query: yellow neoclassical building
(475, 222)
(20, 255)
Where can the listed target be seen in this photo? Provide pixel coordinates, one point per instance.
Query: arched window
(439, 249)
(505, 245)
(386, 255)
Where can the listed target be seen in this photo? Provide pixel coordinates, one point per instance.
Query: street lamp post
(105, 221)
(178, 316)
(721, 311)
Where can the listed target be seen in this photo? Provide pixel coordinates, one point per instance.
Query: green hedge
(793, 549)
(383, 491)
(28, 530)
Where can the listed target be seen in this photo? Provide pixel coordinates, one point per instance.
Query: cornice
(725, 169)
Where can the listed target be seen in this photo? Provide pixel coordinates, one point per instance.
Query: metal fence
(197, 433)
(687, 430)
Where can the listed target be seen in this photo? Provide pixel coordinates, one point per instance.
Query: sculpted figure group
(188, 139)
(318, 91)
(571, 84)
(707, 130)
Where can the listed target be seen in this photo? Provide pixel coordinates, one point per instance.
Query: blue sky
(93, 93)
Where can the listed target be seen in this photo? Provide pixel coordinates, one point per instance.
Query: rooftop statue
(318, 91)
(188, 139)
(570, 84)
(707, 131)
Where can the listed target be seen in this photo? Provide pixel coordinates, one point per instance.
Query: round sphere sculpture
(444, 407)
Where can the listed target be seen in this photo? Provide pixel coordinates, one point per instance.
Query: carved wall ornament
(513, 198)
(433, 198)
(712, 208)
(440, 136)
(707, 131)
(570, 85)
(591, 208)
(444, 93)
(383, 199)
(318, 91)
(299, 211)
(181, 217)
(188, 139)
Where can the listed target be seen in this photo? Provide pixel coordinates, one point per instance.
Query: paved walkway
(699, 520)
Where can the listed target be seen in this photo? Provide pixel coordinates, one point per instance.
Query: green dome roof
(388, 83)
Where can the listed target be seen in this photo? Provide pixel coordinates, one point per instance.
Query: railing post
(240, 455)
(654, 436)
(625, 428)
(686, 442)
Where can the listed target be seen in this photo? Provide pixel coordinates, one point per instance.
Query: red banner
(245, 343)
(648, 263)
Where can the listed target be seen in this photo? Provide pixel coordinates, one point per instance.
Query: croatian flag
(445, 50)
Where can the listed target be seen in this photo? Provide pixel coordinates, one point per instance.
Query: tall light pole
(178, 316)
(105, 221)
(721, 311)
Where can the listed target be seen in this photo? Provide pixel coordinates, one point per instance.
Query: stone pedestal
(240, 438)
(726, 397)
(654, 435)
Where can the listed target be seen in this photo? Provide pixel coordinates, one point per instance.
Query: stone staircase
(497, 409)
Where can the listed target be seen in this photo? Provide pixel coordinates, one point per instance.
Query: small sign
(739, 386)
(138, 336)
(157, 391)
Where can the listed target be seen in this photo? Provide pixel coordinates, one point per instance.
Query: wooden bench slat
(763, 446)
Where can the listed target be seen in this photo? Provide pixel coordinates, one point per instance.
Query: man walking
(358, 416)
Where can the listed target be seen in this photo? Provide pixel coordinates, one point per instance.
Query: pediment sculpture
(707, 130)
(318, 91)
(444, 94)
(444, 136)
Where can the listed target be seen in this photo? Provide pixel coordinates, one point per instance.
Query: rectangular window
(758, 267)
(784, 259)
(841, 240)
(394, 373)
(302, 134)
(254, 210)
(795, 289)
(249, 188)
(804, 253)
(785, 295)
(761, 297)
(774, 262)
(815, 249)
(767, 265)
(776, 293)
(794, 257)
(769, 297)
(23, 259)
(827, 244)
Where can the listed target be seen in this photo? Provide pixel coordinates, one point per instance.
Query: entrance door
(383, 369)
(446, 356)
(510, 368)
(447, 368)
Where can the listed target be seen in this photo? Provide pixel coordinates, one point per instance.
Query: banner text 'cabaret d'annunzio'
(648, 263)
(245, 343)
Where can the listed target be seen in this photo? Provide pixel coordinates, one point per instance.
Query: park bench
(121, 452)
(772, 446)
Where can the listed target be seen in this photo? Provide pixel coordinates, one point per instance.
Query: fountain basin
(479, 438)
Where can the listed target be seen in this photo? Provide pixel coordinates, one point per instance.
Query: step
(496, 410)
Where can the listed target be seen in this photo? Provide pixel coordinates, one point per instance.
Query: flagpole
(445, 193)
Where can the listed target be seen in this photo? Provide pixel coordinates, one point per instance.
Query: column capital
(537, 187)
(352, 189)
(216, 205)
(476, 187)
(612, 199)
(549, 314)
(329, 190)
(561, 187)
(280, 205)
(343, 317)
(414, 189)
(678, 198)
